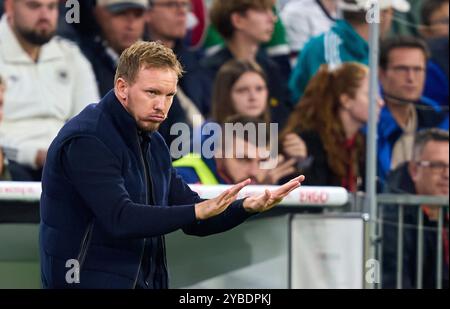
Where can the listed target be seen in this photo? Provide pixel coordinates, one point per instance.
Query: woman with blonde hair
(329, 119)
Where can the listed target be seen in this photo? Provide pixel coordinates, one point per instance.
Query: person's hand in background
(294, 147)
(273, 176)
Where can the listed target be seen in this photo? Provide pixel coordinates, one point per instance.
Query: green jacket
(341, 44)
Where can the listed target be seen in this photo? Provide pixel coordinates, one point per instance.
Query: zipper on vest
(153, 201)
(146, 200)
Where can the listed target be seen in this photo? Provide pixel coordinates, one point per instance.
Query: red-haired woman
(328, 119)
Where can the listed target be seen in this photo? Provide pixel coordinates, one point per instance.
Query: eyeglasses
(435, 166)
(173, 5)
(404, 69)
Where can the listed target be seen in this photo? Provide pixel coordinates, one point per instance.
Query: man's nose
(252, 94)
(159, 103)
(411, 76)
(45, 12)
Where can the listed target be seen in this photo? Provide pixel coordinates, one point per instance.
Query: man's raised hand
(269, 199)
(216, 206)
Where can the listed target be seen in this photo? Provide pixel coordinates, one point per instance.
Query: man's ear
(121, 90)
(345, 100)
(236, 20)
(381, 73)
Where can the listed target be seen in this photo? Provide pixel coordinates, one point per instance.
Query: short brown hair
(411, 42)
(148, 55)
(221, 11)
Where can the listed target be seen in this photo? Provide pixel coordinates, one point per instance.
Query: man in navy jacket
(110, 193)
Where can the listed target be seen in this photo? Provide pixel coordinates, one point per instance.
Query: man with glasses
(346, 41)
(426, 174)
(167, 22)
(120, 23)
(403, 64)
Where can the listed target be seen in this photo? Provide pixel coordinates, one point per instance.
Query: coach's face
(149, 98)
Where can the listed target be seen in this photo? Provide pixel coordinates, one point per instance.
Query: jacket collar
(400, 181)
(389, 125)
(123, 121)
(13, 52)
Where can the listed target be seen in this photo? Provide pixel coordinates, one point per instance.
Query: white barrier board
(327, 252)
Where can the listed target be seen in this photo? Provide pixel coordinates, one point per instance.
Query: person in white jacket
(49, 81)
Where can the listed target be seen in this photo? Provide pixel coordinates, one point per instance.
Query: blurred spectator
(402, 75)
(328, 120)
(408, 23)
(197, 27)
(240, 88)
(121, 23)
(167, 22)
(305, 19)
(277, 48)
(246, 159)
(245, 25)
(435, 19)
(426, 174)
(440, 54)
(346, 41)
(48, 79)
(4, 171)
(2, 94)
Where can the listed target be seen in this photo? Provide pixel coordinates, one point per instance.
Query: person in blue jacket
(403, 63)
(110, 193)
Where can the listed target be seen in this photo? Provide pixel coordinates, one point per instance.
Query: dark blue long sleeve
(230, 218)
(96, 173)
